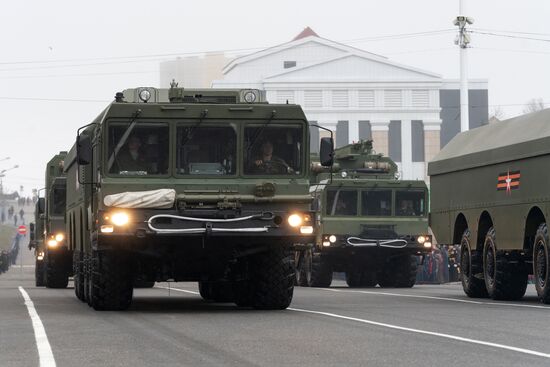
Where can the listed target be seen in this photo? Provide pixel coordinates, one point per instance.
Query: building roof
(307, 32)
(516, 138)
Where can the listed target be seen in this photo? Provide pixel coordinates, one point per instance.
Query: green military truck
(190, 185)
(53, 257)
(491, 195)
(372, 226)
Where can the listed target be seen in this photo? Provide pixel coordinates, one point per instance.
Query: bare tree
(497, 113)
(533, 105)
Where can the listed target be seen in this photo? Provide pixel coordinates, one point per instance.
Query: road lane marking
(436, 298)
(45, 353)
(177, 289)
(425, 332)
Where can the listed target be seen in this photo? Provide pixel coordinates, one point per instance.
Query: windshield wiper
(123, 139)
(194, 127)
(260, 132)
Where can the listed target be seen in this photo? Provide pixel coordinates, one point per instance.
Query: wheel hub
(541, 268)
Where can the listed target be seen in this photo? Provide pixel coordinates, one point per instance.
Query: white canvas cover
(161, 199)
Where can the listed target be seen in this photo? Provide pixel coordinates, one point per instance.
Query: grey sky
(92, 38)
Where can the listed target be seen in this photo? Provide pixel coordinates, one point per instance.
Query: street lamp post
(463, 41)
(2, 175)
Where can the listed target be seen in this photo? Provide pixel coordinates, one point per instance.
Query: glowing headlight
(306, 229)
(119, 219)
(421, 239)
(294, 220)
(332, 238)
(427, 244)
(344, 174)
(326, 243)
(59, 237)
(52, 243)
(144, 95)
(250, 97)
(107, 229)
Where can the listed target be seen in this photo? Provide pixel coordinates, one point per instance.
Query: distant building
(409, 113)
(193, 72)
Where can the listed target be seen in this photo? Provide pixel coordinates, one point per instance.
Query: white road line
(177, 289)
(436, 298)
(45, 353)
(425, 332)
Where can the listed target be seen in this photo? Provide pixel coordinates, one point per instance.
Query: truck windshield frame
(410, 203)
(290, 138)
(57, 200)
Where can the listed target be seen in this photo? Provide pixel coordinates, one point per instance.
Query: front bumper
(171, 223)
(356, 243)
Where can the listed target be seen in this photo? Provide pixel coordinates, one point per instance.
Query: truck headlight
(295, 220)
(120, 219)
(421, 239)
(332, 238)
(59, 237)
(52, 243)
(306, 229)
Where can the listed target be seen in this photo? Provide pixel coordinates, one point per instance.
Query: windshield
(206, 150)
(409, 203)
(58, 201)
(138, 149)
(341, 202)
(376, 203)
(273, 150)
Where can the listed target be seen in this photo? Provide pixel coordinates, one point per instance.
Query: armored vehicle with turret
(190, 185)
(371, 225)
(490, 191)
(53, 257)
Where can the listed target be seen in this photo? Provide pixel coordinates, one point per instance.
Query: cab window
(376, 203)
(409, 203)
(341, 202)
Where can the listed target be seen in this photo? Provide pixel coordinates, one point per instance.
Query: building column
(380, 141)
(406, 150)
(353, 131)
(432, 141)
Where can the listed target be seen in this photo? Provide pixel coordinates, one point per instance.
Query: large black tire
(39, 273)
(399, 272)
(216, 291)
(471, 268)
(504, 281)
(541, 263)
(55, 269)
(321, 271)
(111, 281)
(303, 272)
(271, 281)
(78, 279)
(361, 278)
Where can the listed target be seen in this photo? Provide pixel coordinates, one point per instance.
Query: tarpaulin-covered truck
(490, 193)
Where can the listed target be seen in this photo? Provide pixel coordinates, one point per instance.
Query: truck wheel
(55, 270)
(399, 272)
(321, 271)
(503, 281)
(216, 291)
(111, 281)
(78, 275)
(361, 278)
(303, 272)
(272, 279)
(470, 266)
(39, 273)
(541, 264)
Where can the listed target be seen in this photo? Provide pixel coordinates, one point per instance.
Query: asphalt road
(424, 326)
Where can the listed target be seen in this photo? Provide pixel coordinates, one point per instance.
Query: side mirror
(326, 152)
(41, 205)
(83, 149)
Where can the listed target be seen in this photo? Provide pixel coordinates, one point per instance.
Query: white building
(358, 94)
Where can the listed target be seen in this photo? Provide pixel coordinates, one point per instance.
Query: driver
(266, 162)
(131, 157)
